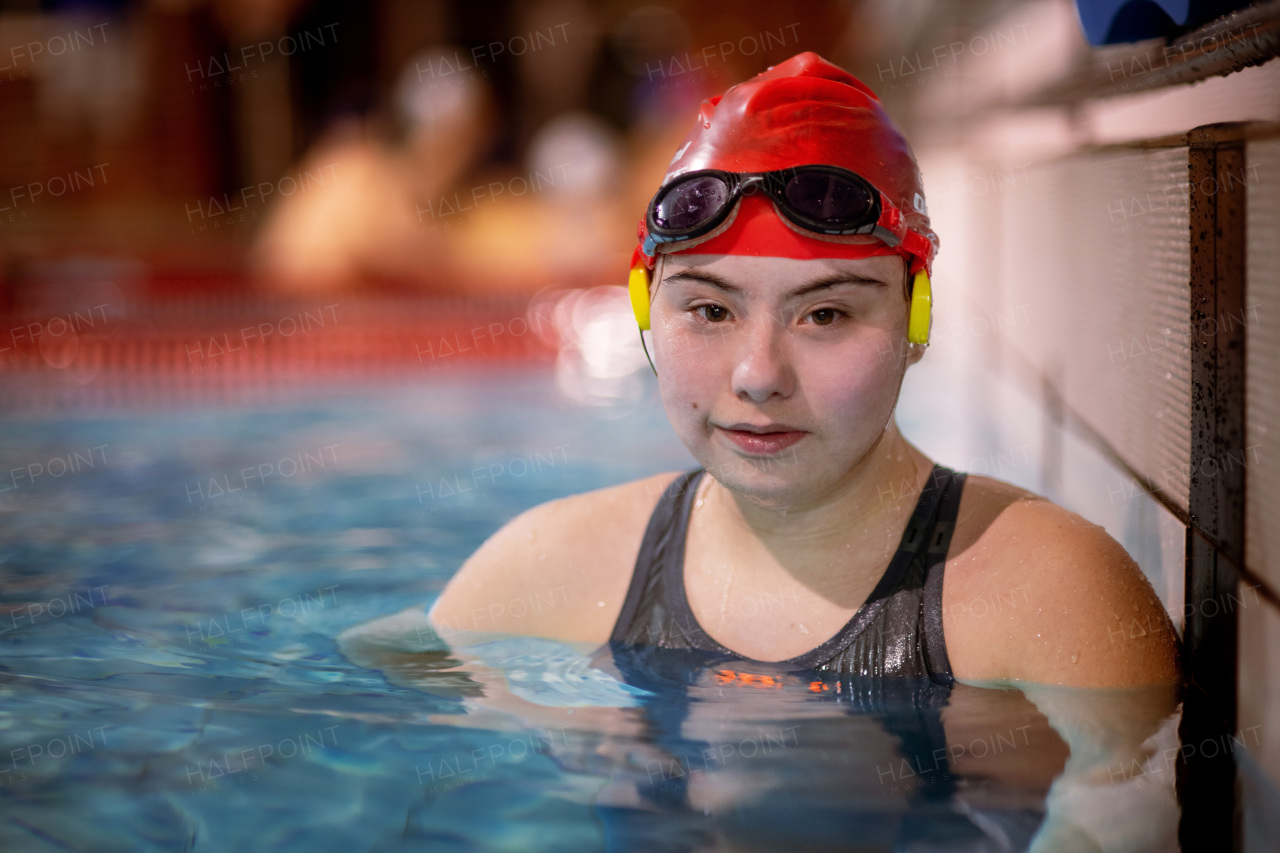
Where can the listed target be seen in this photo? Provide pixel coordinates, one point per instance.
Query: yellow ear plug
(638, 286)
(921, 305)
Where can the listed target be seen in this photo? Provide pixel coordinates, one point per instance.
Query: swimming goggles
(823, 199)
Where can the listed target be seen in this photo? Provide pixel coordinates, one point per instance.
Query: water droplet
(1075, 658)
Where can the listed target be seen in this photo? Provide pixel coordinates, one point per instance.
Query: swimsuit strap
(935, 646)
(663, 542)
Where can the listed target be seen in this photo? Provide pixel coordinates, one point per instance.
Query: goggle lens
(829, 199)
(690, 204)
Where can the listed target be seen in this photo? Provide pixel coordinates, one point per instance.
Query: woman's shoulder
(1035, 592)
(573, 555)
(588, 518)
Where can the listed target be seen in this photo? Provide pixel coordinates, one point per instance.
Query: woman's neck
(858, 521)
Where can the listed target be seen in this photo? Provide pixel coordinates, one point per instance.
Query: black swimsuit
(897, 632)
(657, 644)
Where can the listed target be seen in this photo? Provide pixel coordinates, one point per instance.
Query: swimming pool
(175, 583)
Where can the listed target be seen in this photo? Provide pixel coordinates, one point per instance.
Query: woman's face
(812, 351)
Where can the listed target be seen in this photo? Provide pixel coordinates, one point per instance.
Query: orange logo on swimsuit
(728, 676)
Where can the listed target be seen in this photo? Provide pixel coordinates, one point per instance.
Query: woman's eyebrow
(834, 281)
(694, 274)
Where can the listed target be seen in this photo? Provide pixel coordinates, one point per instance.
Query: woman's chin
(777, 482)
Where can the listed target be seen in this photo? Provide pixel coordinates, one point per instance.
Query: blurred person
(574, 167)
(374, 215)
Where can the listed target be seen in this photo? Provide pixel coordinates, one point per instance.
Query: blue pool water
(174, 584)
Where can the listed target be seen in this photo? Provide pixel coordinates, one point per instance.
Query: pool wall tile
(1258, 727)
(1259, 635)
(1262, 364)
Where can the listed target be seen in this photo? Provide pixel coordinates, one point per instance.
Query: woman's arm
(1077, 610)
(560, 570)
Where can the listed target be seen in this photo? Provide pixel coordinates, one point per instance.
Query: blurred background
(317, 148)
(204, 202)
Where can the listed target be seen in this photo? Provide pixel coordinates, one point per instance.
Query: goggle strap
(919, 246)
(646, 353)
(641, 257)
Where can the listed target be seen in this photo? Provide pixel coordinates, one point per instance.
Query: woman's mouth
(763, 440)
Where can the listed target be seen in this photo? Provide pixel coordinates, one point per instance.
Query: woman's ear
(915, 352)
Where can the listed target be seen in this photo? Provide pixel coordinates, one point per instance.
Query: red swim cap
(800, 112)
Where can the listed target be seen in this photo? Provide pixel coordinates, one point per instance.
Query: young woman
(784, 272)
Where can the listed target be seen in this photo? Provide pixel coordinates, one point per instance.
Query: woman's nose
(762, 363)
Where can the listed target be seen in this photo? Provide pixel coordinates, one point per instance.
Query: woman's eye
(712, 313)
